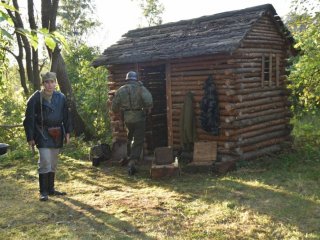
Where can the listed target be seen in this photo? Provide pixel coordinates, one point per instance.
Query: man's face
(49, 86)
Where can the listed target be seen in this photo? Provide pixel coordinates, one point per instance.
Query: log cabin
(243, 52)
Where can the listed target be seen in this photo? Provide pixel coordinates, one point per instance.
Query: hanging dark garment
(188, 123)
(209, 117)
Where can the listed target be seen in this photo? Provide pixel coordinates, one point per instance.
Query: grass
(277, 197)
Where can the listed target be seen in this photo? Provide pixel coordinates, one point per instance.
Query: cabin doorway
(154, 79)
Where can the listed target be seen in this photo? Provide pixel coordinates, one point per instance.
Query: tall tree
(5, 37)
(152, 11)
(24, 49)
(76, 19)
(35, 55)
(76, 22)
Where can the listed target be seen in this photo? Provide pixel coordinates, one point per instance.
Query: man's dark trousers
(136, 133)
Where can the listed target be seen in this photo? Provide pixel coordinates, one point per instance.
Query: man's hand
(31, 143)
(67, 138)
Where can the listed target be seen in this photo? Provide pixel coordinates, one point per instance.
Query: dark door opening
(154, 79)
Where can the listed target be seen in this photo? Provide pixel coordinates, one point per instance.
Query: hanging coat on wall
(209, 117)
(188, 122)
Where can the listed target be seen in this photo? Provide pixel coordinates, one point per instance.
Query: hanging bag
(55, 133)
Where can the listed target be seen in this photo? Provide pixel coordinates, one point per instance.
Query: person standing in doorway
(47, 123)
(133, 101)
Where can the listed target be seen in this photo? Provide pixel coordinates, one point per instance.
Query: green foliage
(11, 98)
(51, 39)
(11, 110)
(152, 10)
(90, 89)
(4, 17)
(5, 36)
(3, 59)
(304, 23)
(77, 149)
(76, 18)
(5, 20)
(307, 130)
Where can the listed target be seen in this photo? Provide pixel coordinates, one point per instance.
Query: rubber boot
(132, 168)
(51, 189)
(43, 184)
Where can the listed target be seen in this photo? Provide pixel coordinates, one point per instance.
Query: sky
(120, 16)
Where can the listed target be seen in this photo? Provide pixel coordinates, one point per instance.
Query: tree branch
(9, 51)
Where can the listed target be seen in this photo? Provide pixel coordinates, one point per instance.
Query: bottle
(176, 162)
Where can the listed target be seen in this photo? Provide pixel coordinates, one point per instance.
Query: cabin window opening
(266, 73)
(267, 70)
(277, 70)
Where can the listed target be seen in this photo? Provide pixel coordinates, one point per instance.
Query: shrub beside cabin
(244, 52)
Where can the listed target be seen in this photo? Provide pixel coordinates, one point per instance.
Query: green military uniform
(134, 101)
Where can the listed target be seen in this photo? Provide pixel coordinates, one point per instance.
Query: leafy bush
(304, 23)
(90, 89)
(11, 110)
(307, 130)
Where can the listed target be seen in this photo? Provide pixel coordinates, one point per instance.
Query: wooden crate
(163, 155)
(204, 153)
(163, 171)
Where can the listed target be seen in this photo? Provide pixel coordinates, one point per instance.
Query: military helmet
(132, 76)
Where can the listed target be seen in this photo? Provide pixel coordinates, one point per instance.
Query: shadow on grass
(286, 192)
(284, 199)
(23, 216)
(289, 195)
(95, 175)
(99, 223)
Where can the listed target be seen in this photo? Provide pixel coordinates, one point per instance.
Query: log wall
(251, 88)
(254, 108)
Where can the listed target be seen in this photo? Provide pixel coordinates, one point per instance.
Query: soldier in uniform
(133, 101)
(46, 124)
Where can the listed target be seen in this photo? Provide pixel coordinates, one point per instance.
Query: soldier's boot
(43, 185)
(132, 167)
(51, 189)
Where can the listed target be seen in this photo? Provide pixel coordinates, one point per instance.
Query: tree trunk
(35, 56)
(26, 45)
(22, 72)
(20, 55)
(58, 66)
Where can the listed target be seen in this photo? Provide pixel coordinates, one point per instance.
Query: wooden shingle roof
(218, 33)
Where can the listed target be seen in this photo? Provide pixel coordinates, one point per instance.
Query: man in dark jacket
(47, 124)
(134, 101)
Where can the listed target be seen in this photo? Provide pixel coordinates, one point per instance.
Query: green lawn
(277, 197)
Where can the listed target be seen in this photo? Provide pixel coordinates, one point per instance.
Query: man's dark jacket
(54, 114)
